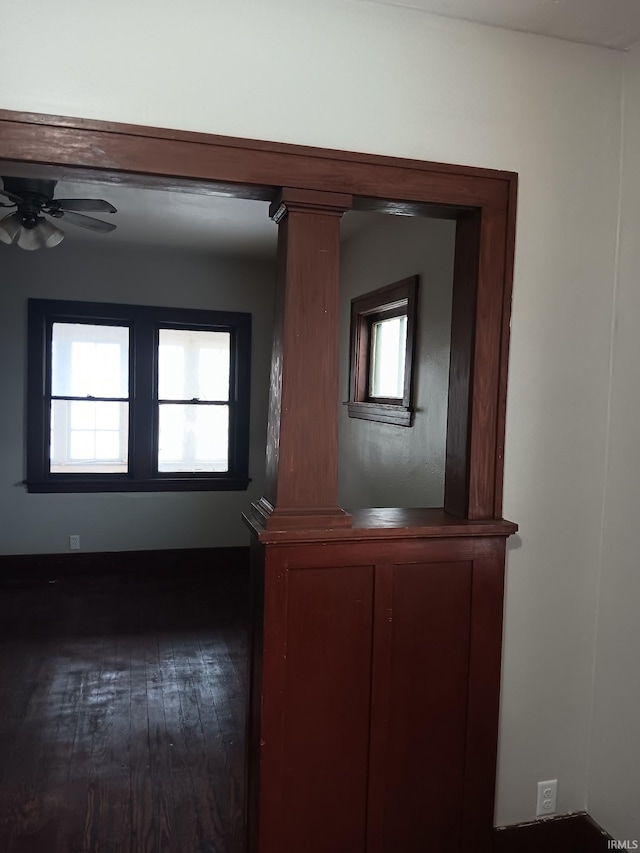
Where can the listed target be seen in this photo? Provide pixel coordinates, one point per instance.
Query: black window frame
(394, 300)
(144, 322)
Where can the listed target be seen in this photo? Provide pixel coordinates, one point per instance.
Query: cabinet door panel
(427, 668)
(327, 706)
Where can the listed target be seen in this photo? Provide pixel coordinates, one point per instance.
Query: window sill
(386, 414)
(173, 484)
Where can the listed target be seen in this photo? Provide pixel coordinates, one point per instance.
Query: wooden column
(477, 373)
(301, 488)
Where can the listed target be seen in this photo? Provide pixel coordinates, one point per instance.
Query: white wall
(42, 523)
(365, 77)
(386, 464)
(614, 773)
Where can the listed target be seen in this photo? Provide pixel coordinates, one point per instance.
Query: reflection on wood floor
(122, 713)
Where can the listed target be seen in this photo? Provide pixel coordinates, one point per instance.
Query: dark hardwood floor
(122, 713)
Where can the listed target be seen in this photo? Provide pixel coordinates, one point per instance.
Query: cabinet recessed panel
(326, 707)
(428, 667)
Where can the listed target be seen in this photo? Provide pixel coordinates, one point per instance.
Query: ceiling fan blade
(96, 205)
(14, 198)
(87, 222)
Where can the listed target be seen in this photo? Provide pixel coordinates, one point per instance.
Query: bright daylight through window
(89, 398)
(131, 398)
(193, 387)
(388, 355)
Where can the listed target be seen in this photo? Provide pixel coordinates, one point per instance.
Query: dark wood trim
(34, 567)
(479, 360)
(387, 524)
(576, 833)
(485, 430)
(382, 656)
(293, 200)
(463, 319)
(110, 148)
(485, 652)
(510, 242)
(390, 294)
(393, 300)
(254, 696)
(383, 413)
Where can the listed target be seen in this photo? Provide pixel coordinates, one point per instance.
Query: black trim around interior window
(144, 323)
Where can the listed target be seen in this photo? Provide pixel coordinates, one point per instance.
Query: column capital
(308, 201)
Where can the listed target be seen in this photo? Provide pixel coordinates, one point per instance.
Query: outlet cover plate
(547, 798)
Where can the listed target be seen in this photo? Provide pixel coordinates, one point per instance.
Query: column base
(298, 518)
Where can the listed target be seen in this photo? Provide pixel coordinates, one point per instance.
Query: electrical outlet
(547, 797)
(74, 542)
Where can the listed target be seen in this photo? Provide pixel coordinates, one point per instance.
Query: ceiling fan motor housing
(25, 187)
(36, 195)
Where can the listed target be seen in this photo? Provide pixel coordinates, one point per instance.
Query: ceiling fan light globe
(30, 239)
(10, 228)
(51, 235)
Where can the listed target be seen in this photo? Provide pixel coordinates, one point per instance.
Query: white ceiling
(608, 23)
(177, 220)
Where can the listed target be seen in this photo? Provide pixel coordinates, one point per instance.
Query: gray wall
(34, 523)
(385, 464)
(614, 770)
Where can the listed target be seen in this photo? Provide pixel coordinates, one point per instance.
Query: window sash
(376, 356)
(191, 457)
(64, 434)
(60, 360)
(395, 300)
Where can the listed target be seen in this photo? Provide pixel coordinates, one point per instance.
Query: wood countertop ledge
(388, 523)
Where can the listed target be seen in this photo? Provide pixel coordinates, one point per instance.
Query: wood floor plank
(180, 771)
(207, 752)
(142, 839)
(159, 752)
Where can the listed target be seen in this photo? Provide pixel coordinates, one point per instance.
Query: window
(382, 346)
(133, 398)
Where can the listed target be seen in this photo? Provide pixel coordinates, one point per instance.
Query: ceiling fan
(29, 229)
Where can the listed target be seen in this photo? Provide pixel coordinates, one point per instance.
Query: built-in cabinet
(374, 685)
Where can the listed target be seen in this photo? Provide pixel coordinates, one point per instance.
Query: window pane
(82, 445)
(89, 437)
(388, 350)
(193, 438)
(193, 365)
(109, 416)
(107, 445)
(171, 374)
(83, 415)
(89, 360)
